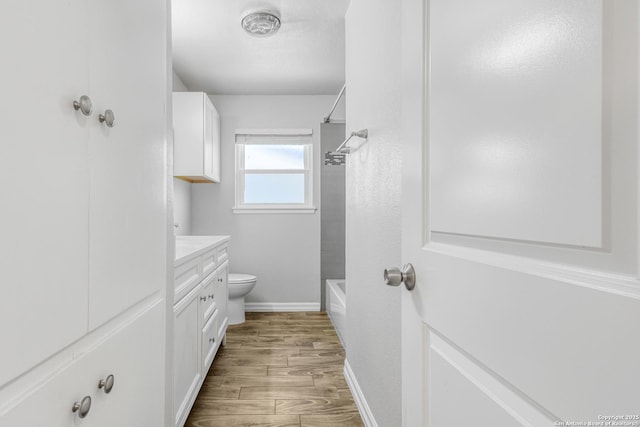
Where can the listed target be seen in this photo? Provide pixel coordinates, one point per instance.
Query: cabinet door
(208, 137)
(210, 341)
(127, 162)
(50, 404)
(44, 175)
(215, 143)
(188, 127)
(134, 356)
(186, 354)
(222, 300)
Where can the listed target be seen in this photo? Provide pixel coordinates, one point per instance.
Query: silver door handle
(394, 276)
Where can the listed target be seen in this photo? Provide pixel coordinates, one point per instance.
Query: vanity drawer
(207, 297)
(186, 277)
(209, 342)
(209, 262)
(223, 253)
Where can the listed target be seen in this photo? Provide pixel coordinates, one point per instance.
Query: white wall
(373, 204)
(182, 207)
(181, 189)
(282, 250)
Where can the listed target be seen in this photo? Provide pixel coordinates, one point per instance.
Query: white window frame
(245, 137)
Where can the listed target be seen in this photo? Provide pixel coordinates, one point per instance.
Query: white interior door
(520, 213)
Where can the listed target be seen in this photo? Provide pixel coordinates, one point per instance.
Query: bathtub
(337, 307)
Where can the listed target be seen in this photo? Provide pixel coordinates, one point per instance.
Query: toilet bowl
(239, 286)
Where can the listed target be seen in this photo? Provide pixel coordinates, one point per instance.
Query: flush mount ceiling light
(261, 24)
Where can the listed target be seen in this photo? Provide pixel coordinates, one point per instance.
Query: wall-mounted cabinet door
(127, 172)
(44, 175)
(211, 160)
(196, 125)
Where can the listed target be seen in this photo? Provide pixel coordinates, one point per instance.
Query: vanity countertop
(189, 247)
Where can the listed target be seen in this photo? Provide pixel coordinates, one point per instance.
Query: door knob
(394, 276)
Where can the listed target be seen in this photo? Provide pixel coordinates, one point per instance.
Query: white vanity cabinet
(196, 126)
(83, 252)
(200, 314)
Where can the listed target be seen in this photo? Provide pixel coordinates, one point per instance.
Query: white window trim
(270, 136)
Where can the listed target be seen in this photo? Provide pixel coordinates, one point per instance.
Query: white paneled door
(520, 213)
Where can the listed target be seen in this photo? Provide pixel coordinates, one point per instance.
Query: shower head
(363, 133)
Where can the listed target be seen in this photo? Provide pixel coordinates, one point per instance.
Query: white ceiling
(213, 54)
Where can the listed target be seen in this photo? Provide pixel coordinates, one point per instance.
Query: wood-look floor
(277, 370)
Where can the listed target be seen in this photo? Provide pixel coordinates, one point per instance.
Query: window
(274, 171)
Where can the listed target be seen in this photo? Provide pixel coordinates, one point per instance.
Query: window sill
(274, 210)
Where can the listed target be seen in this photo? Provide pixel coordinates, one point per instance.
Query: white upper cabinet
(196, 125)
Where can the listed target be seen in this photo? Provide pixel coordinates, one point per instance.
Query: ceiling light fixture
(261, 24)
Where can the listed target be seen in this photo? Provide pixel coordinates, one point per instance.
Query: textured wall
(283, 250)
(373, 203)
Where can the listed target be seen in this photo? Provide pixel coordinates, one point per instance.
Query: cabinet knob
(212, 340)
(84, 105)
(108, 118)
(82, 407)
(211, 296)
(107, 384)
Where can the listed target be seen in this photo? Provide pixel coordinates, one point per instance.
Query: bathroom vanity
(199, 314)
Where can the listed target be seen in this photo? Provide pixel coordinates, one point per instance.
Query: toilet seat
(235, 278)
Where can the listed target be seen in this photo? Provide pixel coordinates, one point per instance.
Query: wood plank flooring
(277, 370)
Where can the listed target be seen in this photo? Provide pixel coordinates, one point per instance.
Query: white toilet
(239, 286)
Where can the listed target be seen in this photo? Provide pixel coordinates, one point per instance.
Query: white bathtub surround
(336, 302)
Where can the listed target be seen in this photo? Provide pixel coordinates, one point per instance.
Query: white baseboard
(358, 396)
(281, 306)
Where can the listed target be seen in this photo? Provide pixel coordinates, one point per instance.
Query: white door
(520, 213)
